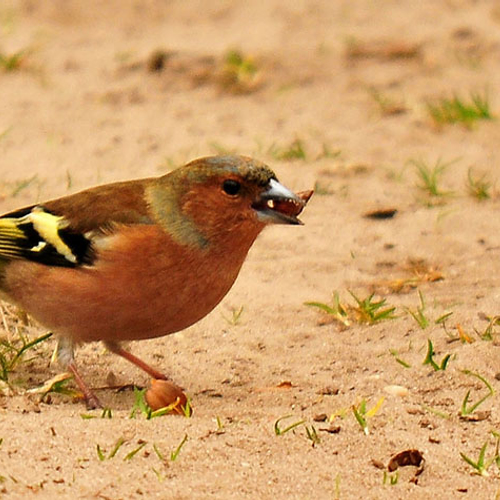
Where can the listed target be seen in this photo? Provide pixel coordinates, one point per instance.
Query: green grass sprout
(429, 358)
(133, 453)
(489, 331)
(419, 314)
(188, 409)
(481, 465)
(429, 177)
(467, 410)
(294, 151)
(388, 106)
(394, 353)
(281, 431)
(367, 310)
(312, 435)
(106, 413)
(159, 454)
(337, 486)
(439, 413)
(336, 309)
(161, 477)
(442, 319)
(100, 453)
(175, 454)
(240, 72)
(12, 351)
(479, 187)
(102, 456)
(220, 425)
(326, 152)
(235, 317)
(371, 311)
(14, 61)
(390, 479)
(117, 446)
(140, 404)
(23, 184)
(456, 110)
(362, 414)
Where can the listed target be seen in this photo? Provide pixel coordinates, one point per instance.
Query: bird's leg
(65, 357)
(116, 348)
(90, 398)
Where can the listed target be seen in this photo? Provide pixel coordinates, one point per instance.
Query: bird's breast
(142, 285)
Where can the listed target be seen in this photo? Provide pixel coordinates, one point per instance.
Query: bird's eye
(231, 187)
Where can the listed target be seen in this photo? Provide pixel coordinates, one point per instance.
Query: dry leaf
(382, 213)
(406, 458)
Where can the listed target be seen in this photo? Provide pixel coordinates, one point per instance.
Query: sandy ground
(91, 103)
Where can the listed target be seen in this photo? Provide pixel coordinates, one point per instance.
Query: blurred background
(107, 89)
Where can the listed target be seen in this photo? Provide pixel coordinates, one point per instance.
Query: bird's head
(221, 195)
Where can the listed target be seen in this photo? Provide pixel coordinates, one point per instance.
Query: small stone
(320, 417)
(328, 391)
(415, 411)
(378, 464)
(396, 390)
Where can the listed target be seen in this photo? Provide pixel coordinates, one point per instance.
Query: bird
(139, 259)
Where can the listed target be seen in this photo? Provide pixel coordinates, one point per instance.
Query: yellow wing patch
(36, 236)
(48, 226)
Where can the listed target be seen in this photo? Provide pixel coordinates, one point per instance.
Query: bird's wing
(61, 232)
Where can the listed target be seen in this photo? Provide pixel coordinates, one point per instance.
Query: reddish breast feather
(143, 286)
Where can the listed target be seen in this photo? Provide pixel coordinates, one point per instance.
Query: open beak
(278, 205)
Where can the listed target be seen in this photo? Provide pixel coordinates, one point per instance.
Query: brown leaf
(382, 213)
(464, 337)
(332, 429)
(286, 384)
(405, 458)
(383, 50)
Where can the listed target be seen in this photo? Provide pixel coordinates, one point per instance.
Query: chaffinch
(139, 259)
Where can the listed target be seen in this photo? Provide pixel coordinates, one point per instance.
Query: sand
(116, 90)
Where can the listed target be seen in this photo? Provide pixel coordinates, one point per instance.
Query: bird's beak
(278, 205)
